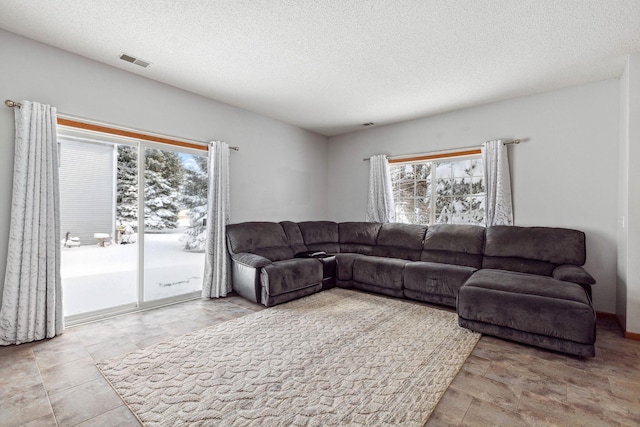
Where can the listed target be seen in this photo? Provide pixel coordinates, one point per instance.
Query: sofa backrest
(536, 250)
(454, 244)
(266, 239)
(320, 236)
(402, 241)
(358, 237)
(294, 236)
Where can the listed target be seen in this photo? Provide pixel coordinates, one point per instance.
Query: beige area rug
(336, 358)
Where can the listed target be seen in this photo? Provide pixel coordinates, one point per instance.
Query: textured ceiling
(331, 65)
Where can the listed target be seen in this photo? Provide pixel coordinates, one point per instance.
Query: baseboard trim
(632, 336)
(628, 335)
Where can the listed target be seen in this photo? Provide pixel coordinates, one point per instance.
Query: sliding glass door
(175, 205)
(124, 248)
(97, 273)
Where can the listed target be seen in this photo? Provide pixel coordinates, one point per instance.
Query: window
(439, 190)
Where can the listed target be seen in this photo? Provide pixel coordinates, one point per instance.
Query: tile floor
(56, 382)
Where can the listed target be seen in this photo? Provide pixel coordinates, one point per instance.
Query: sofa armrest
(573, 273)
(250, 260)
(245, 275)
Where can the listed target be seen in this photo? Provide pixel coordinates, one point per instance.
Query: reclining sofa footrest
(542, 341)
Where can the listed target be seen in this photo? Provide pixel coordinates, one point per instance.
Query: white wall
(628, 286)
(565, 175)
(279, 173)
(623, 200)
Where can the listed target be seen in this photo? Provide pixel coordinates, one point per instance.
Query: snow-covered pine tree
(460, 200)
(127, 193)
(163, 177)
(194, 198)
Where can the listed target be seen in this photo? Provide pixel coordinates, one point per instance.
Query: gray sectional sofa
(520, 283)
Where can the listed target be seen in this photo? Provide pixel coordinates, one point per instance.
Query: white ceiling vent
(134, 60)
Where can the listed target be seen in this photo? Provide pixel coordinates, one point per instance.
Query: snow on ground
(96, 278)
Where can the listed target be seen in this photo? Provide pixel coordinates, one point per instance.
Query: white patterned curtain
(380, 206)
(497, 179)
(217, 276)
(32, 294)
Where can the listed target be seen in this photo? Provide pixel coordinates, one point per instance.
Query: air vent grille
(134, 60)
(140, 62)
(127, 58)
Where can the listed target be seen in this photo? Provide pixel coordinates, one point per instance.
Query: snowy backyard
(96, 278)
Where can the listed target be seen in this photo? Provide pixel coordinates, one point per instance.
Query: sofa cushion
(320, 235)
(528, 303)
(528, 284)
(522, 265)
(358, 237)
(379, 271)
(266, 239)
(435, 278)
(344, 265)
(553, 245)
(294, 236)
(403, 241)
(289, 275)
(454, 244)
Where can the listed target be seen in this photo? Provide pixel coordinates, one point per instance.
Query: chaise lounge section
(532, 290)
(520, 283)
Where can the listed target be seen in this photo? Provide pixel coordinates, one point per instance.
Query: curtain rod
(400, 156)
(12, 104)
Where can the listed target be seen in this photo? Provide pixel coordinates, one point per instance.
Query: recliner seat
(264, 269)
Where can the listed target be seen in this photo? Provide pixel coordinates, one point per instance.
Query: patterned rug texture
(336, 358)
